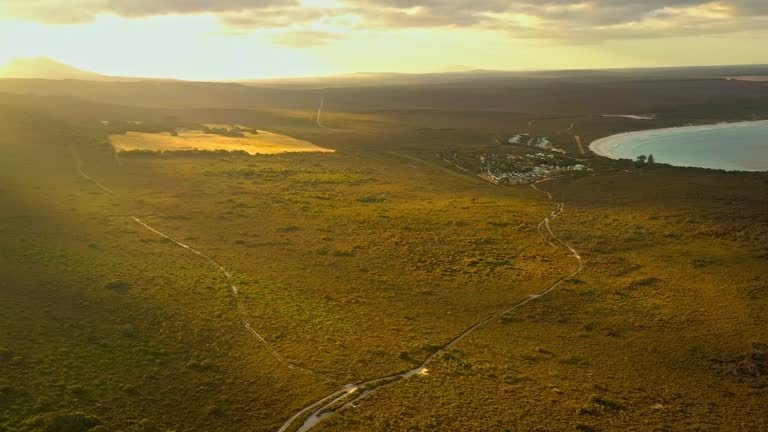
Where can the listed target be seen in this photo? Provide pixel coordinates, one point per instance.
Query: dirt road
(352, 393)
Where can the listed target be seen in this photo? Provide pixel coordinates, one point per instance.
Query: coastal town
(507, 168)
(512, 169)
(521, 159)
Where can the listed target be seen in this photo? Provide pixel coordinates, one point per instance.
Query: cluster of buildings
(511, 169)
(544, 143)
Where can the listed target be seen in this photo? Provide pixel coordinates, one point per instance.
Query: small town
(508, 168)
(512, 169)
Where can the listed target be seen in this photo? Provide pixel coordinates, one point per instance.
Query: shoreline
(603, 146)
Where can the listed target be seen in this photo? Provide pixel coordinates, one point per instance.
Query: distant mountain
(45, 68)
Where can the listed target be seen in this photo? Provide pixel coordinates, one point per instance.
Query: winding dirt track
(227, 274)
(83, 175)
(320, 113)
(351, 394)
(234, 292)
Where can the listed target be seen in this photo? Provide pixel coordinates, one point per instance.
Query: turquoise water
(733, 146)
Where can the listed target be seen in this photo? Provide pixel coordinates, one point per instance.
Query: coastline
(603, 146)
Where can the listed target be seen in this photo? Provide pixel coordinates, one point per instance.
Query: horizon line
(105, 77)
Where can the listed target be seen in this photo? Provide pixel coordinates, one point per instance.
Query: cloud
(49, 11)
(305, 38)
(278, 17)
(579, 20)
(76, 11)
(185, 7)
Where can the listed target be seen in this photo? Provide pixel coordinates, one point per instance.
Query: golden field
(262, 143)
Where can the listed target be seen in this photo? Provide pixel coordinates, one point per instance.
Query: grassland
(359, 263)
(189, 140)
(670, 294)
(319, 246)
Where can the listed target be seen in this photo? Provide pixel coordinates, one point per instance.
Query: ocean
(728, 146)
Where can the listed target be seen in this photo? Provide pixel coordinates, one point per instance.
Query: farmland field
(189, 140)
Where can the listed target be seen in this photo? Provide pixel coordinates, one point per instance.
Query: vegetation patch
(751, 369)
(59, 421)
(599, 405)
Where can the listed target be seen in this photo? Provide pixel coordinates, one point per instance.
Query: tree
(650, 160)
(640, 161)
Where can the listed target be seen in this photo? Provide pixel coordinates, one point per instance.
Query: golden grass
(263, 143)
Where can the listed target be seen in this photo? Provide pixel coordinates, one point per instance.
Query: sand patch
(632, 116)
(748, 78)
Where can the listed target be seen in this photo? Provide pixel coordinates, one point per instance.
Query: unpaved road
(320, 113)
(234, 292)
(227, 274)
(350, 394)
(83, 175)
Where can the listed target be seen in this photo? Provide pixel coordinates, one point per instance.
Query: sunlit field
(189, 140)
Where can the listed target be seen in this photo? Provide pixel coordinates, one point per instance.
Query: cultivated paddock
(262, 143)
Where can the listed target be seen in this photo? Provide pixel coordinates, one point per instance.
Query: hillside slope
(45, 68)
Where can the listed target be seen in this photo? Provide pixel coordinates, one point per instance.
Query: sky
(236, 39)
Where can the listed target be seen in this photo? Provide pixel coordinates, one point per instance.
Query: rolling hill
(45, 68)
